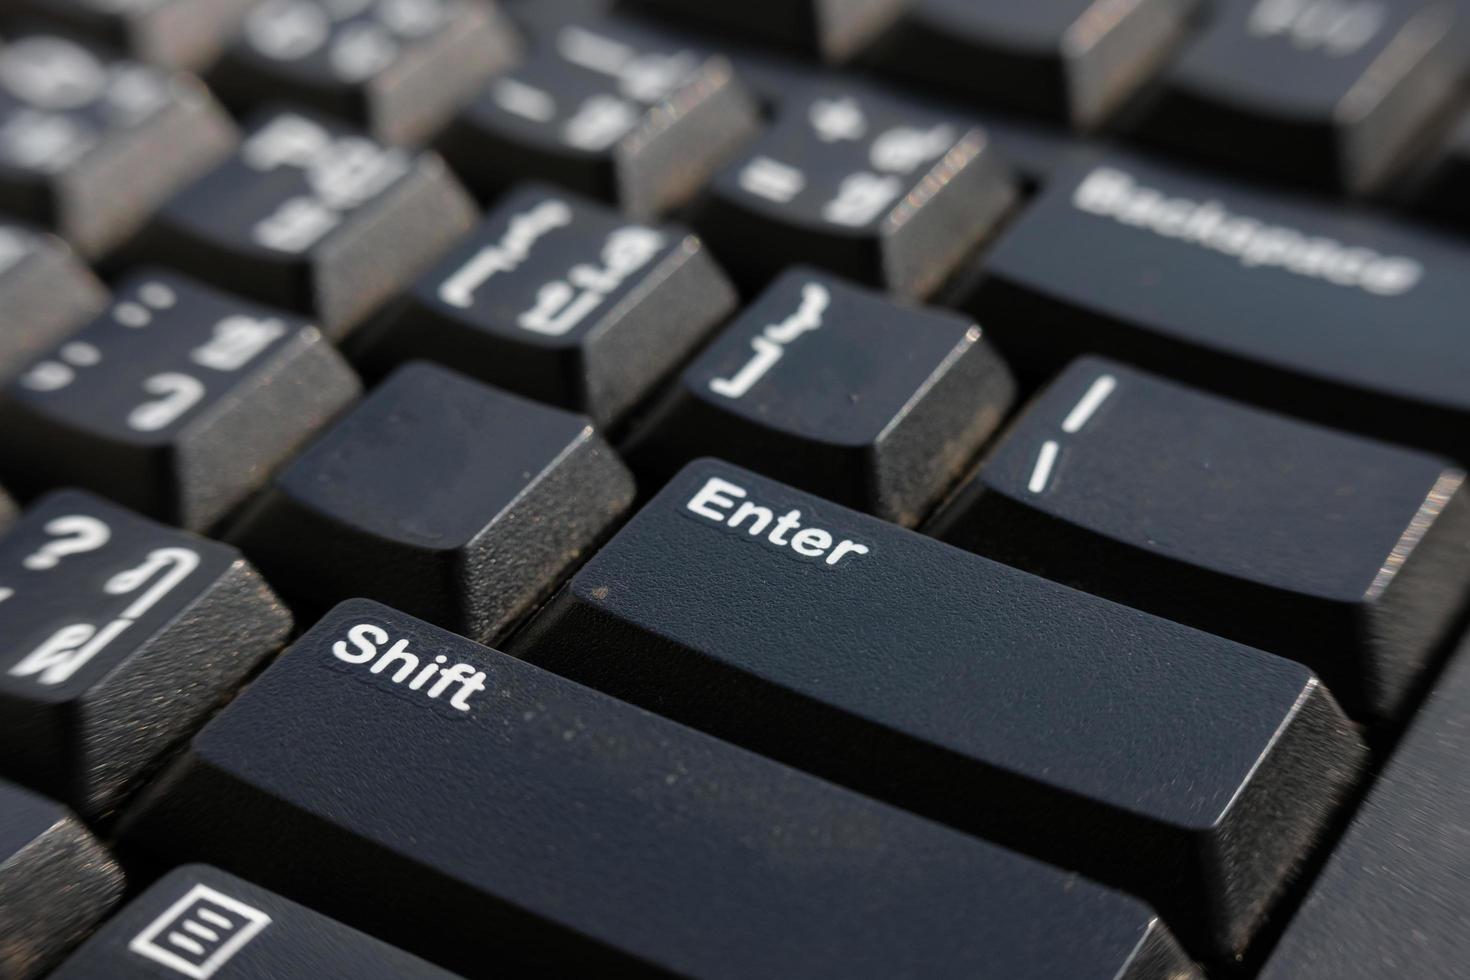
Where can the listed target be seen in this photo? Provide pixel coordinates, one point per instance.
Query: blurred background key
(46, 293)
(186, 34)
(833, 30)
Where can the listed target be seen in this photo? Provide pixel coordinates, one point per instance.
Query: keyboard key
(200, 922)
(1442, 195)
(396, 69)
(1330, 93)
(1074, 61)
(7, 510)
(173, 33)
(832, 29)
(312, 217)
(1346, 554)
(456, 502)
(179, 401)
(536, 822)
(1391, 900)
(874, 189)
(560, 299)
(56, 882)
(632, 117)
(90, 147)
(46, 293)
(121, 636)
(1085, 733)
(840, 391)
(1341, 318)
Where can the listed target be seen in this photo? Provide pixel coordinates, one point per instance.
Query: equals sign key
(200, 932)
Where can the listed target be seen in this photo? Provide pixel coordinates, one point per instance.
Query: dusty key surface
(178, 401)
(198, 922)
(1186, 767)
(839, 390)
(560, 299)
(1344, 318)
(1350, 555)
(117, 637)
(56, 882)
(535, 822)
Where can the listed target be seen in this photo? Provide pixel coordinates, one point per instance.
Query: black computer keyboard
(962, 489)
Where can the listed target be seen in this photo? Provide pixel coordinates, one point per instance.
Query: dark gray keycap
(45, 294)
(179, 401)
(174, 33)
(530, 821)
(1173, 763)
(1073, 61)
(1350, 555)
(838, 390)
(56, 882)
(622, 113)
(1332, 93)
(398, 69)
(313, 217)
(1391, 901)
(457, 502)
(1339, 317)
(833, 29)
(560, 299)
(198, 921)
(117, 637)
(90, 147)
(873, 188)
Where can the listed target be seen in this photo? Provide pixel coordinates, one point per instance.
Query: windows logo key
(199, 933)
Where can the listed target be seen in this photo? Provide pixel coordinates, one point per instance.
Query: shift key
(1325, 312)
(1189, 769)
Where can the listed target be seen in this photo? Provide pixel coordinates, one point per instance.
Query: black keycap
(872, 188)
(560, 299)
(832, 29)
(533, 821)
(1342, 318)
(1166, 761)
(840, 391)
(198, 921)
(1350, 555)
(1075, 61)
(615, 112)
(45, 294)
(1331, 93)
(179, 401)
(174, 33)
(397, 69)
(313, 217)
(120, 636)
(457, 502)
(56, 882)
(91, 147)
(1391, 901)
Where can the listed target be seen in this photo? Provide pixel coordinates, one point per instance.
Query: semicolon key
(559, 299)
(1189, 769)
(117, 637)
(197, 921)
(46, 292)
(874, 188)
(179, 401)
(839, 390)
(312, 216)
(57, 883)
(1074, 61)
(541, 825)
(90, 147)
(1350, 555)
(834, 30)
(186, 34)
(615, 111)
(1341, 317)
(1331, 93)
(452, 500)
(397, 69)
